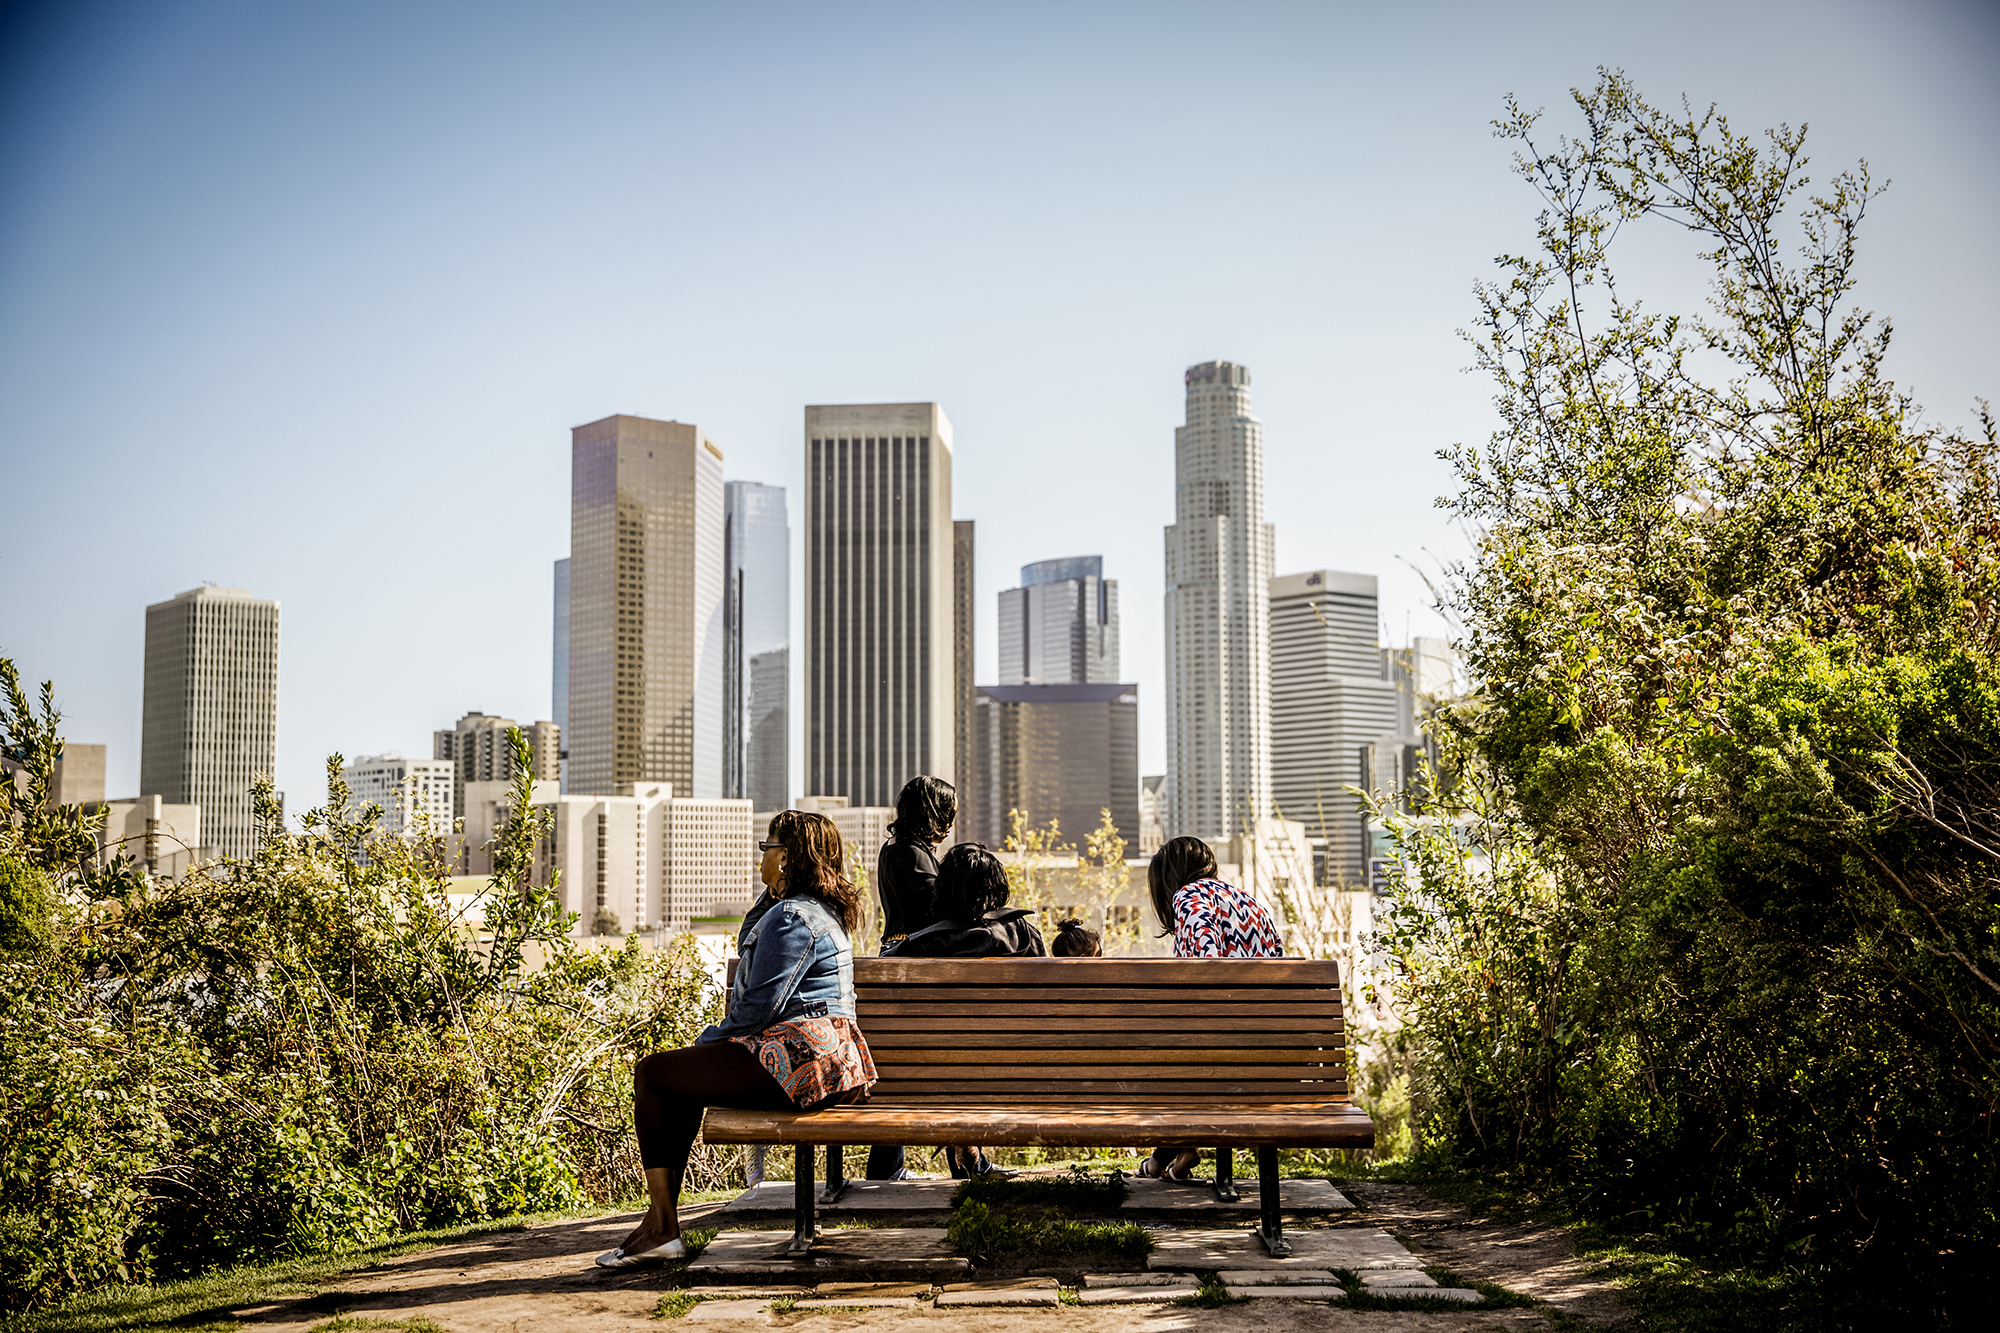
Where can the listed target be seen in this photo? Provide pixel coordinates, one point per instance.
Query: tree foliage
(310, 1048)
(1720, 952)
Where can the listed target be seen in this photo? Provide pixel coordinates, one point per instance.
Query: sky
(306, 299)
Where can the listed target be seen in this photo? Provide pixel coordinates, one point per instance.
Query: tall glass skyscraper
(757, 668)
(1218, 633)
(880, 623)
(559, 666)
(1060, 627)
(645, 607)
(210, 725)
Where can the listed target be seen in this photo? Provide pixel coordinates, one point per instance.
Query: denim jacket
(794, 962)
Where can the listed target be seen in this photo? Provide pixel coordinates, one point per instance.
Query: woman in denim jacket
(789, 1039)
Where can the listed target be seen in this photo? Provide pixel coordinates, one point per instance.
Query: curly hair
(925, 809)
(815, 864)
(970, 883)
(1181, 861)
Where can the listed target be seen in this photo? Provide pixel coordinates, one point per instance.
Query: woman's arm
(779, 962)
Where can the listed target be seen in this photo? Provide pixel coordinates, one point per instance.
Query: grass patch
(1359, 1297)
(675, 1305)
(343, 1323)
(1005, 1239)
(1076, 1191)
(1211, 1295)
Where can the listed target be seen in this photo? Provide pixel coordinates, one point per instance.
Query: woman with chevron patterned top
(1208, 919)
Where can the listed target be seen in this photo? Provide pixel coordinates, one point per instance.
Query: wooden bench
(1097, 1052)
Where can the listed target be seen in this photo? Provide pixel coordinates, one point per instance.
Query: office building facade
(1219, 554)
(479, 750)
(414, 794)
(1329, 702)
(210, 725)
(1060, 627)
(965, 723)
(757, 637)
(648, 857)
(646, 634)
(879, 600)
(1061, 752)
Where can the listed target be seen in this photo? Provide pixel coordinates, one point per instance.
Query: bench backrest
(1110, 1031)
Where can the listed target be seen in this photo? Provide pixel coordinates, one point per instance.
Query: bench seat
(1087, 1052)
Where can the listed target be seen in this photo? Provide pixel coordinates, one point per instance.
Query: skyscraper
(1062, 752)
(211, 708)
(559, 672)
(645, 626)
(757, 667)
(879, 616)
(480, 750)
(965, 743)
(1060, 627)
(1218, 644)
(1329, 702)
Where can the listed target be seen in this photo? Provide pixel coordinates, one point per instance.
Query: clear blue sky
(305, 299)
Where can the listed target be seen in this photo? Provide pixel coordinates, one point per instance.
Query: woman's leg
(670, 1090)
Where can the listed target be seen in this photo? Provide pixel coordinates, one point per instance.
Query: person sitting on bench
(789, 1040)
(1074, 941)
(1208, 919)
(972, 900)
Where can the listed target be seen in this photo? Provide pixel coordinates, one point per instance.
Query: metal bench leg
(836, 1173)
(1225, 1175)
(1272, 1227)
(803, 1224)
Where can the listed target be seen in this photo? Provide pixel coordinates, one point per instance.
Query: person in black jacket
(975, 923)
(906, 882)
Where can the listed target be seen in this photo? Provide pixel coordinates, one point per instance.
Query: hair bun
(1071, 924)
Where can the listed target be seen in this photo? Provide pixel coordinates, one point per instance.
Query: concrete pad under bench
(1143, 1195)
(776, 1198)
(1396, 1277)
(1288, 1293)
(1283, 1277)
(908, 1253)
(1332, 1247)
(1138, 1280)
(1135, 1295)
(1014, 1291)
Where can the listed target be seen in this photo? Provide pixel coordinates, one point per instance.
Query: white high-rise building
(880, 618)
(648, 857)
(1218, 633)
(210, 725)
(1060, 627)
(645, 607)
(757, 665)
(413, 793)
(1329, 702)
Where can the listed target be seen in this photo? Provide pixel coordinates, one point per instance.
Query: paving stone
(1014, 1291)
(857, 1302)
(1397, 1277)
(1174, 1196)
(872, 1289)
(1331, 1247)
(1282, 1277)
(1289, 1293)
(774, 1198)
(1133, 1295)
(1139, 1280)
(856, 1254)
(716, 1312)
(767, 1292)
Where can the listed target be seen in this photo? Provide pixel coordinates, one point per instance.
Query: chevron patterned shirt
(1217, 920)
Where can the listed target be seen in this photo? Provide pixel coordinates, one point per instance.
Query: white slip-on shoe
(661, 1253)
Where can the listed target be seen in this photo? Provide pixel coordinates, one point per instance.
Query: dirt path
(542, 1280)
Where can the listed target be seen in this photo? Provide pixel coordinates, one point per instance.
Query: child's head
(1073, 941)
(970, 883)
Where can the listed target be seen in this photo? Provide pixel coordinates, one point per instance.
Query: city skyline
(255, 248)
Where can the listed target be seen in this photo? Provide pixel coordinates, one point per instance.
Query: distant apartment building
(1218, 648)
(1060, 627)
(162, 838)
(880, 604)
(210, 721)
(486, 808)
(648, 857)
(479, 750)
(79, 775)
(559, 666)
(965, 724)
(1062, 752)
(646, 636)
(414, 793)
(1329, 702)
(757, 654)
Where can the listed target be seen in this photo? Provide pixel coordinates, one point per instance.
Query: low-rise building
(164, 839)
(413, 793)
(648, 858)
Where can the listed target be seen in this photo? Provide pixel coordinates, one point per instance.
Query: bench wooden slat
(887, 1058)
(1096, 971)
(1272, 1125)
(1090, 1089)
(873, 1021)
(1269, 1013)
(1121, 1069)
(1329, 1035)
(1111, 995)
